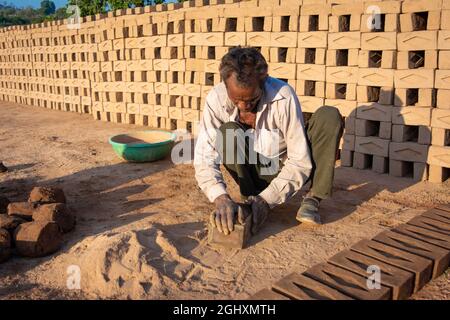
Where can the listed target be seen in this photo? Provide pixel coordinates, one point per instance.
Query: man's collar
(272, 91)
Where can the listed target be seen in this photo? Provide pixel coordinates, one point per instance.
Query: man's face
(245, 99)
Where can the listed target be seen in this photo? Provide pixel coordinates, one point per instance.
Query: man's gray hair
(248, 64)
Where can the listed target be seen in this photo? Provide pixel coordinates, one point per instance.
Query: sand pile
(134, 264)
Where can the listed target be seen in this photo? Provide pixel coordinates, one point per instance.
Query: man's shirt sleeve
(207, 168)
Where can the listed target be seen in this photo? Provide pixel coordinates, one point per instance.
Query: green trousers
(323, 129)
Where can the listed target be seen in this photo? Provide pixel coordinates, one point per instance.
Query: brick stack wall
(384, 64)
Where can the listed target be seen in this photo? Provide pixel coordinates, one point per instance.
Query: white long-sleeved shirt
(279, 119)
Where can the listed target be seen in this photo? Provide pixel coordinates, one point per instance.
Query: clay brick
(386, 95)
(427, 59)
(368, 93)
(348, 142)
(415, 21)
(235, 38)
(443, 99)
(310, 104)
(431, 224)
(346, 282)
(439, 156)
(440, 118)
(341, 91)
(416, 270)
(440, 137)
(437, 215)
(316, 39)
(444, 59)
(408, 151)
(342, 57)
(236, 239)
(377, 59)
(299, 287)
(417, 40)
(37, 239)
(344, 40)
(419, 78)
(379, 41)
(345, 22)
(380, 22)
(421, 5)
(432, 237)
(380, 164)
(374, 111)
(415, 97)
(419, 134)
(283, 39)
(376, 77)
(311, 72)
(383, 7)
(440, 257)
(282, 70)
(259, 39)
(346, 158)
(342, 74)
(362, 160)
(345, 107)
(411, 116)
(372, 146)
(313, 56)
(438, 174)
(315, 90)
(444, 40)
(314, 21)
(400, 281)
(443, 79)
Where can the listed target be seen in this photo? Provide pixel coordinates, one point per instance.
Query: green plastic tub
(143, 146)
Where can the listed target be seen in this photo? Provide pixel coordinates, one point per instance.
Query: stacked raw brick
(383, 64)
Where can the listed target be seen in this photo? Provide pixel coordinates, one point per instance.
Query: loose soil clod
(10, 223)
(56, 212)
(3, 168)
(43, 195)
(5, 245)
(4, 204)
(22, 210)
(37, 238)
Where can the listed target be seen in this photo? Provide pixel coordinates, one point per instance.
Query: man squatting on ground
(260, 111)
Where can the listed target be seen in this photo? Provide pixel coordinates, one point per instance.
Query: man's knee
(232, 125)
(329, 116)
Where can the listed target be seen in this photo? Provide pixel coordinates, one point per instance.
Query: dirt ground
(141, 229)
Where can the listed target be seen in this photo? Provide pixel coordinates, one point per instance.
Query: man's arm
(298, 164)
(207, 168)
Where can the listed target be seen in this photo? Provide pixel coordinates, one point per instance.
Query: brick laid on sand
(5, 245)
(43, 195)
(22, 210)
(56, 212)
(238, 238)
(37, 238)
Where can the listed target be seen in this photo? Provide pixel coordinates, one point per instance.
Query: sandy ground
(141, 230)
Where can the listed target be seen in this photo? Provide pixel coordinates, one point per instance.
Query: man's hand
(260, 211)
(224, 216)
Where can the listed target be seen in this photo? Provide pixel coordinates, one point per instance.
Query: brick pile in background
(154, 66)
